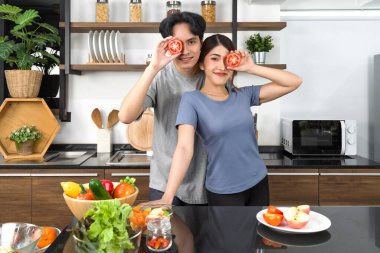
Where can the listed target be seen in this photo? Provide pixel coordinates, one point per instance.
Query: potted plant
(50, 82)
(24, 138)
(258, 46)
(25, 48)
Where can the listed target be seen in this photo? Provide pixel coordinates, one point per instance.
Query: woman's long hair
(213, 41)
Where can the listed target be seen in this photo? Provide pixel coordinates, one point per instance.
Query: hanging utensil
(97, 118)
(113, 118)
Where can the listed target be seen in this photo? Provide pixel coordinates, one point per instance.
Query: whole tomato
(123, 189)
(48, 236)
(175, 46)
(233, 60)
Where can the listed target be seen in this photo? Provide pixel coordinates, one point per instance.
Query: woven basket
(23, 83)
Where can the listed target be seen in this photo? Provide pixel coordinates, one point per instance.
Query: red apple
(304, 208)
(295, 219)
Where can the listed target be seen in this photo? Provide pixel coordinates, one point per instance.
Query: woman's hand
(161, 56)
(246, 62)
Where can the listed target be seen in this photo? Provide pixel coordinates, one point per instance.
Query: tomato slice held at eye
(273, 219)
(274, 210)
(233, 60)
(175, 46)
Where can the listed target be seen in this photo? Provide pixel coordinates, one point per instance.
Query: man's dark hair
(195, 21)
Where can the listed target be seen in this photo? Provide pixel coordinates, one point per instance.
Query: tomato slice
(273, 219)
(233, 60)
(274, 210)
(175, 46)
(48, 236)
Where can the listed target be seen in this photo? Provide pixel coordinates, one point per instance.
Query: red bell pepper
(108, 185)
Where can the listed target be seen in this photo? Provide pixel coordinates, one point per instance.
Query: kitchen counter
(273, 157)
(235, 229)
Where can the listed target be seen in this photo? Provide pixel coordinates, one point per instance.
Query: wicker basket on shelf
(23, 83)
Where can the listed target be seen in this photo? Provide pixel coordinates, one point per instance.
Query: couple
(213, 117)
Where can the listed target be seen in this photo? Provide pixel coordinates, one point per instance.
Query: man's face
(187, 61)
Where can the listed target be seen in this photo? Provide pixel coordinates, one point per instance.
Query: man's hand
(161, 57)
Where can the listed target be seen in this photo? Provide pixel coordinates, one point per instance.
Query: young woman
(220, 114)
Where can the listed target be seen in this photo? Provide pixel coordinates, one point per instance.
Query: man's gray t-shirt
(226, 127)
(164, 95)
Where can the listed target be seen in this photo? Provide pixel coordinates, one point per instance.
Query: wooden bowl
(79, 207)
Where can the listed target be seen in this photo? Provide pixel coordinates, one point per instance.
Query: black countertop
(274, 158)
(236, 229)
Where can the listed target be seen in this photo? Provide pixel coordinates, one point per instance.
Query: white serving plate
(91, 46)
(102, 46)
(113, 45)
(107, 46)
(317, 223)
(119, 45)
(95, 43)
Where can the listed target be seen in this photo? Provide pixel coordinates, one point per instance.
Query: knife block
(104, 140)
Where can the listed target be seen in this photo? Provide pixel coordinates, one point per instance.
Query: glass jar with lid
(209, 10)
(135, 11)
(159, 230)
(102, 11)
(173, 7)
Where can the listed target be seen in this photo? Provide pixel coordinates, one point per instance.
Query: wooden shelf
(133, 67)
(152, 27)
(260, 26)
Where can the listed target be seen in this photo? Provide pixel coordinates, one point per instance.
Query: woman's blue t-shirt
(226, 129)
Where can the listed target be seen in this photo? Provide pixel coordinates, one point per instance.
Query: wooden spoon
(97, 118)
(113, 118)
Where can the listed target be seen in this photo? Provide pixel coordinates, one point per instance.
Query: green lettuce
(109, 228)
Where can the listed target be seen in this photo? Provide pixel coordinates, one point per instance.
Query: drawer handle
(64, 175)
(292, 174)
(351, 174)
(15, 175)
(129, 174)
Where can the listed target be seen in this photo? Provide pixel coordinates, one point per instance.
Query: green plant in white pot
(24, 138)
(258, 46)
(25, 47)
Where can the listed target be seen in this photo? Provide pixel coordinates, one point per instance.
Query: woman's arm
(181, 161)
(282, 82)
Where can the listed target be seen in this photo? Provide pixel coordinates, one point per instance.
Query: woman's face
(214, 66)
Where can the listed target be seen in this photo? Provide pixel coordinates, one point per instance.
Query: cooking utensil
(97, 118)
(113, 118)
(140, 132)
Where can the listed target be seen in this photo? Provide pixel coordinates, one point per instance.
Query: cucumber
(98, 190)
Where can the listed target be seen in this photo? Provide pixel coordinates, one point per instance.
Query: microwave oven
(319, 137)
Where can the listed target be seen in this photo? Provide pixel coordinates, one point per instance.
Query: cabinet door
(293, 186)
(48, 206)
(349, 187)
(15, 195)
(142, 180)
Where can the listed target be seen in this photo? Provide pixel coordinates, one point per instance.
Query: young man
(161, 86)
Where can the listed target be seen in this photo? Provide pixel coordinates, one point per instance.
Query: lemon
(71, 189)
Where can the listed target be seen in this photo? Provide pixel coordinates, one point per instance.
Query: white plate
(112, 46)
(119, 45)
(317, 222)
(102, 46)
(95, 44)
(91, 46)
(107, 46)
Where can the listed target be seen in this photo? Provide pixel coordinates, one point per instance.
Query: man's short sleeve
(150, 98)
(186, 111)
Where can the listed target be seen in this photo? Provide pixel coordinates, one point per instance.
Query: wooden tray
(16, 112)
(140, 132)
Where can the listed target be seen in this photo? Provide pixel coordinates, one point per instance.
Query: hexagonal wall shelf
(16, 112)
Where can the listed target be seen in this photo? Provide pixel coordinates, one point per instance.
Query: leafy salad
(107, 226)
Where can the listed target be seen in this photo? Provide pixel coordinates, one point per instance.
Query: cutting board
(140, 132)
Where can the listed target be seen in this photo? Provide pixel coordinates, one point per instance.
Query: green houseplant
(258, 46)
(25, 137)
(26, 47)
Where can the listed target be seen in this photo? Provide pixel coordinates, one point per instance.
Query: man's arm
(132, 105)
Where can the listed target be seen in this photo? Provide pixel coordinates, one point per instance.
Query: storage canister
(135, 11)
(208, 10)
(173, 7)
(102, 11)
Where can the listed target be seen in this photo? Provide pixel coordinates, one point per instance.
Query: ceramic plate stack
(105, 47)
